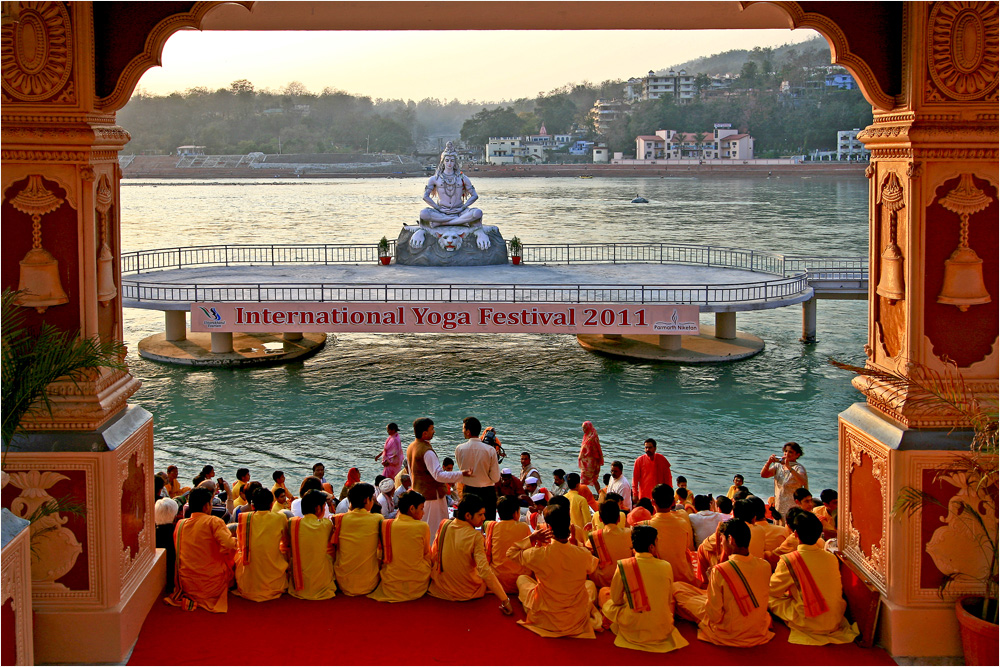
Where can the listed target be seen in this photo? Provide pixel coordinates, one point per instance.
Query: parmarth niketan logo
(215, 319)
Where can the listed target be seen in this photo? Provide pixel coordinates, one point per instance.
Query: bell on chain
(963, 280)
(39, 281)
(106, 290)
(890, 284)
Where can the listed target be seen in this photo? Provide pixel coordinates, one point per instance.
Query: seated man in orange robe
(262, 556)
(710, 552)
(461, 571)
(559, 599)
(791, 542)
(806, 592)
(827, 512)
(733, 612)
(675, 535)
(205, 548)
(173, 485)
(595, 522)
(639, 603)
(311, 567)
(773, 534)
(499, 536)
(406, 549)
(610, 544)
(356, 542)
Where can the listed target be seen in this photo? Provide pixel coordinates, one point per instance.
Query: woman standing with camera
(788, 475)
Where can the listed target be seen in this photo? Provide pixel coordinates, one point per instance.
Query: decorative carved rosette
(962, 51)
(36, 54)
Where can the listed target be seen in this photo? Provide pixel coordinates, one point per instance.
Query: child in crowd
(281, 501)
(406, 553)
(737, 483)
(311, 568)
(724, 506)
(499, 536)
(279, 483)
(610, 543)
(242, 479)
(827, 512)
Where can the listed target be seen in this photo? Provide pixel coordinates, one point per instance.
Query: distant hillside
(812, 53)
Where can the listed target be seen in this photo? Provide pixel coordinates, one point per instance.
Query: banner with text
(567, 318)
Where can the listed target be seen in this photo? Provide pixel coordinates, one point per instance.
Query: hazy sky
(465, 65)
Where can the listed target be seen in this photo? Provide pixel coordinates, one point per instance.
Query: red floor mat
(428, 631)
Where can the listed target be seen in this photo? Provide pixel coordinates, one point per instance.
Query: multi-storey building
(605, 112)
(505, 150)
(849, 148)
(679, 85)
(722, 143)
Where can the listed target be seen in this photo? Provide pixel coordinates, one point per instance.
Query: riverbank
(165, 167)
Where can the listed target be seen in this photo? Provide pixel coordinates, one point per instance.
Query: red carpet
(359, 631)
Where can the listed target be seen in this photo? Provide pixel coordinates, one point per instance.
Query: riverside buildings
(723, 143)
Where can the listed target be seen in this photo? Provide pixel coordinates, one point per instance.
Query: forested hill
(812, 53)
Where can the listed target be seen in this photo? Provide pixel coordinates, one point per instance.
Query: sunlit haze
(465, 65)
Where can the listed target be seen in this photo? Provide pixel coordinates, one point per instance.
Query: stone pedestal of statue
(450, 246)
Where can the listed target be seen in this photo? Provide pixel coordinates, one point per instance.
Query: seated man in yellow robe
(356, 543)
(499, 536)
(773, 534)
(639, 602)
(406, 549)
(791, 542)
(579, 509)
(827, 512)
(577, 534)
(610, 544)
(281, 501)
(595, 521)
(204, 565)
(262, 555)
(311, 567)
(242, 479)
(558, 599)
(279, 483)
(733, 611)
(460, 570)
(675, 536)
(806, 591)
(710, 552)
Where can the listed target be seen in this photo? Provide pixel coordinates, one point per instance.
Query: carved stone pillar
(60, 242)
(933, 214)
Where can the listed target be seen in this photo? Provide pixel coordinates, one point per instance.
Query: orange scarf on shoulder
(635, 588)
(746, 601)
(812, 597)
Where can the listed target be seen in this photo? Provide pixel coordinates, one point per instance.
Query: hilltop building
(722, 143)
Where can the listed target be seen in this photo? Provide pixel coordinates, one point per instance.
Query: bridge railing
(653, 253)
(828, 268)
(270, 254)
(766, 290)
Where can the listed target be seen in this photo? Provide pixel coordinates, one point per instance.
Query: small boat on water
(640, 199)
(585, 176)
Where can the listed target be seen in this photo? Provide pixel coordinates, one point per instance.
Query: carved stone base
(903, 556)
(431, 253)
(16, 598)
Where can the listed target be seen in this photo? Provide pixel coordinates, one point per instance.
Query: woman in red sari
(591, 458)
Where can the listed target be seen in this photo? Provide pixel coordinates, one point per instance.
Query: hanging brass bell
(39, 281)
(963, 280)
(106, 290)
(890, 284)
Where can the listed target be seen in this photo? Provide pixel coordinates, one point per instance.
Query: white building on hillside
(505, 150)
(679, 85)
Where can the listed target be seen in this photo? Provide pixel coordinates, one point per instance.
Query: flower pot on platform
(515, 259)
(385, 260)
(979, 637)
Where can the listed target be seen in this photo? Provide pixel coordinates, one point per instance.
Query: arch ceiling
(864, 38)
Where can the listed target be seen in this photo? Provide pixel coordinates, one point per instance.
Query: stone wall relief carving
(106, 289)
(54, 548)
(36, 54)
(39, 278)
(962, 53)
(963, 271)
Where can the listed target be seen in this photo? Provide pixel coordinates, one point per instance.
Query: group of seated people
(718, 562)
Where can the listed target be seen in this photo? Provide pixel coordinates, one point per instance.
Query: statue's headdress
(449, 149)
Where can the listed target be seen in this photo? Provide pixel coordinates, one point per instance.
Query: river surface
(710, 422)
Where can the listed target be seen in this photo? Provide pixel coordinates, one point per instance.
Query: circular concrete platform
(702, 349)
(248, 349)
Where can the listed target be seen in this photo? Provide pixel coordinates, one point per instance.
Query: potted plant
(971, 520)
(33, 358)
(383, 251)
(515, 250)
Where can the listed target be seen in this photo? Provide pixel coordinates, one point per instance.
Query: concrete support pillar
(670, 342)
(612, 336)
(809, 321)
(297, 335)
(725, 326)
(222, 342)
(176, 324)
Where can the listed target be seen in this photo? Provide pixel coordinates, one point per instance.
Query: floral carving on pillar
(54, 548)
(962, 55)
(36, 53)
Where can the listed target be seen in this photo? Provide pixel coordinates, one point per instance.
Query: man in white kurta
(619, 484)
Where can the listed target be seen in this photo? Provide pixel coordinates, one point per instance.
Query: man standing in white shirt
(704, 520)
(429, 479)
(619, 484)
(481, 459)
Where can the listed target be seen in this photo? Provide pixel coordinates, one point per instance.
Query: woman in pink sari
(591, 458)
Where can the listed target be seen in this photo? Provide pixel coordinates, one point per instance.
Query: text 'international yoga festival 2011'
(607, 541)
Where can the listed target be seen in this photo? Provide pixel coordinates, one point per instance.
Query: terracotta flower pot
(385, 260)
(979, 637)
(516, 259)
